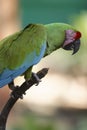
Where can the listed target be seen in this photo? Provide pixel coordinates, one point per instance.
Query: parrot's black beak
(73, 46)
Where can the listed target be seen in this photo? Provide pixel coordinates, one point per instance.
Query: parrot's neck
(50, 49)
(55, 38)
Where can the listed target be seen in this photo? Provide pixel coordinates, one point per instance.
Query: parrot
(22, 50)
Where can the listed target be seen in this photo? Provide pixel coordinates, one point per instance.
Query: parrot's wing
(5, 44)
(15, 48)
(8, 75)
(19, 52)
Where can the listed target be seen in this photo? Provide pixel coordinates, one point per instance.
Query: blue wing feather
(8, 75)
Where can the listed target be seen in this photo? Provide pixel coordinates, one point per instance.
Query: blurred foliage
(31, 122)
(80, 22)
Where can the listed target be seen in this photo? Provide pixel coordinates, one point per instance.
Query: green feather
(56, 35)
(15, 48)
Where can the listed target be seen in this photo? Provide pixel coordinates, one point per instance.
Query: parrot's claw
(16, 93)
(38, 80)
(11, 85)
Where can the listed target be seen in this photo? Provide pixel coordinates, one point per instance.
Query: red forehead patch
(78, 35)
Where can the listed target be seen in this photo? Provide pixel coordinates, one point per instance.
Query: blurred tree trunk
(9, 23)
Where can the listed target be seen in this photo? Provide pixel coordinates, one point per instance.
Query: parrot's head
(61, 35)
(72, 40)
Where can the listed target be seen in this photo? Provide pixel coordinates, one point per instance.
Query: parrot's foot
(38, 80)
(11, 85)
(15, 91)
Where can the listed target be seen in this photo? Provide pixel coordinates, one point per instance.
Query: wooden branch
(16, 94)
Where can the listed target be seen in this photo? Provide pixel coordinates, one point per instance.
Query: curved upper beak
(76, 46)
(73, 46)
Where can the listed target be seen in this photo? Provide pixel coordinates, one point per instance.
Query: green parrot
(22, 50)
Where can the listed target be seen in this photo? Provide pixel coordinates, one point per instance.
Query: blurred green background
(47, 11)
(73, 12)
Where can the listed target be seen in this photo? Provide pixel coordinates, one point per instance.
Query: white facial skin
(70, 37)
